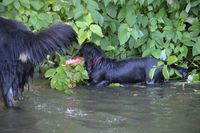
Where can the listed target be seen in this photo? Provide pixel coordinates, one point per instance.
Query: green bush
(165, 29)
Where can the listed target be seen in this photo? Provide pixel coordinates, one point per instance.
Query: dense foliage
(165, 29)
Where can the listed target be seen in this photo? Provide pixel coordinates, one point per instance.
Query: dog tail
(50, 40)
(183, 71)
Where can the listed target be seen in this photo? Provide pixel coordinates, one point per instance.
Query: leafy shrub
(65, 77)
(165, 29)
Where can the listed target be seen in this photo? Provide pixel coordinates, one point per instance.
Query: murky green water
(164, 109)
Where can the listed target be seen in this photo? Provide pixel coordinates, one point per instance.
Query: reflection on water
(135, 109)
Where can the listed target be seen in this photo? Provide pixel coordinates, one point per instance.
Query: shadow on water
(135, 109)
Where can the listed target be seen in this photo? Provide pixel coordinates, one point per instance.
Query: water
(172, 108)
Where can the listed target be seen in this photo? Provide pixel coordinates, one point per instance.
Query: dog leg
(102, 83)
(8, 98)
(20, 94)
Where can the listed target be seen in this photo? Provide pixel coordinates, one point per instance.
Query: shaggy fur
(21, 50)
(103, 71)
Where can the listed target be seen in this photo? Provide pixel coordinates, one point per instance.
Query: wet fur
(133, 70)
(21, 50)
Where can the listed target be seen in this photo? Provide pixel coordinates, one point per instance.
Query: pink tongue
(73, 61)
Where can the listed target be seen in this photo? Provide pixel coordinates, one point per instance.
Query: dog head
(91, 54)
(90, 50)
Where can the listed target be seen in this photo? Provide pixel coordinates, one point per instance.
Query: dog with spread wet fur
(103, 71)
(21, 50)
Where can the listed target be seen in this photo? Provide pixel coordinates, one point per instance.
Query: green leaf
(163, 55)
(33, 20)
(165, 72)
(168, 28)
(37, 5)
(160, 15)
(50, 73)
(17, 4)
(193, 77)
(53, 82)
(181, 28)
(152, 72)
(69, 91)
(77, 76)
(109, 48)
(111, 10)
(122, 2)
(76, 2)
(82, 36)
(141, 2)
(150, 1)
(147, 52)
(106, 2)
(144, 21)
(171, 60)
(123, 33)
(25, 1)
(122, 14)
(78, 14)
(183, 14)
(113, 26)
(156, 53)
(96, 29)
(114, 84)
(82, 25)
(188, 7)
(88, 19)
(196, 48)
(92, 5)
(177, 73)
(197, 92)
(7, 2)
(153, 21)
(135, 34)
(85, 73)
(131, 18)
(160, 63)
(97, 17)
(197, 58)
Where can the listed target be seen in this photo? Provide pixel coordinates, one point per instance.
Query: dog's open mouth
(74, 61)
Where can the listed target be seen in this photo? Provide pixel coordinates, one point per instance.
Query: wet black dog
(103, 71)
(21, 50)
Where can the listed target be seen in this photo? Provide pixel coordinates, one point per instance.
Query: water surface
(171, 108)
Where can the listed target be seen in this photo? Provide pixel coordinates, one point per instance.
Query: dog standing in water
(21, 50)
(103, 70)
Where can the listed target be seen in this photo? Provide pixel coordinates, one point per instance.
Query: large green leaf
(165, 72)
(97, 17)
(17, 4)
(152, 72)
(135, 34)
(96, 29)
(123, 33)
(50, 73)
(131, 18)
(106, 2)
(111, 10)
(172, 60)
(37, 5)
(156, 53)
(7, 2)
(196, 48)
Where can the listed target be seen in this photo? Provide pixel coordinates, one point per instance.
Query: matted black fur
(21, 50)
(103, 70)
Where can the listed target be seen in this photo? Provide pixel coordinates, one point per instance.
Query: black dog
(103, 71)
(21, 50)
